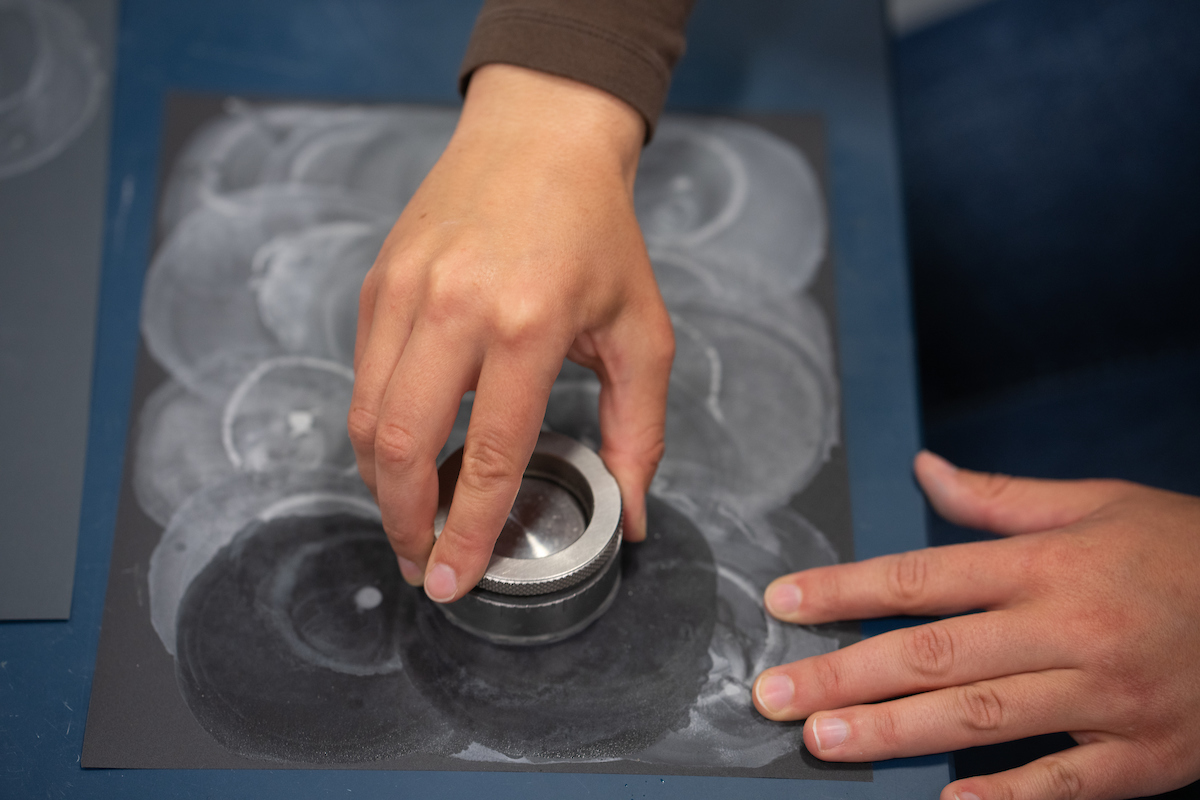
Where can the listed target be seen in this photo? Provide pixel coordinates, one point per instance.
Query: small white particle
(367, 597)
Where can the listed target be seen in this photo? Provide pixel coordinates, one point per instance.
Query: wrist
(569, 118)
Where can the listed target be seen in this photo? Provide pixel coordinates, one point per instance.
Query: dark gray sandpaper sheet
(150, 710)
(50, 234)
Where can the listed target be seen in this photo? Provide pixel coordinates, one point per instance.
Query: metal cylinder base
(537, 619)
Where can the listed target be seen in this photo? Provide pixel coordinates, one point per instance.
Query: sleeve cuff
(571, 48)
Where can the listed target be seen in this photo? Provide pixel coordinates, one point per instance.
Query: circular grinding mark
(609, 691)
(290, 413)
(50, 82)
(278, 657)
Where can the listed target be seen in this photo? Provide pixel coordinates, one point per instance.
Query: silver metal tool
(556, 567)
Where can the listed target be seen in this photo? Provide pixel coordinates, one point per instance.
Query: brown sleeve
(626, 47)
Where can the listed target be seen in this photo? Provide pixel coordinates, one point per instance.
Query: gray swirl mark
(51, 82)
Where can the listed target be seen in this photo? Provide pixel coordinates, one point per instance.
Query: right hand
(520, 247)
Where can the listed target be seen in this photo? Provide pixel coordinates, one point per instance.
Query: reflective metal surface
(563, 478)
(545, 518)
(556, 567)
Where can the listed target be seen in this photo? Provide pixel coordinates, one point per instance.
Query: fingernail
(783, 599)
(441, 583)
(412, 574)
(775, 692)
(830, 732)
(967, 796)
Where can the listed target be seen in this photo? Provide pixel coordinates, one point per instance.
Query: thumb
(1003, 504)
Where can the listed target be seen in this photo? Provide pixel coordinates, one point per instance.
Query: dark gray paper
(254, 616)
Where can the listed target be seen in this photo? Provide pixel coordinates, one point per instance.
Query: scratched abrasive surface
(256, 612)
(279, 657)
(606, 693)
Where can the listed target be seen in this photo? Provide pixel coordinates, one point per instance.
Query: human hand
(520, 247)
(1091, 626)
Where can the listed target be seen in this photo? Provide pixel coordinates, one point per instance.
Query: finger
(383, 334)
(634, 379)
(1104, 770)
(971, 715)
(1006, 505)
(949, 652)
(932, 582)
(367, 296)
(416, 414)
(510, 403)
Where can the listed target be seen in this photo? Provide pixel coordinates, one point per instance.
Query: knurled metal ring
(576, 469)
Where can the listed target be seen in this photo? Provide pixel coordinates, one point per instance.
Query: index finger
(510, 403)
(932, 582)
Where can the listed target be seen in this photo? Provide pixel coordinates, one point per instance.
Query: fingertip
(441, 583)
(953, 792)
(933, 471)
(413, 575)
(633, 522)
(632, 481)
(773, 694)
(782, 599)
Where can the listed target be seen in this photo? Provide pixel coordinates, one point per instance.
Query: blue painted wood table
(823, 56)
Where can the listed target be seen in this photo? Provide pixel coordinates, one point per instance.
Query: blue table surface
(827, 56)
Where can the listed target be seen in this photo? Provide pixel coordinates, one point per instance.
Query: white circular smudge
(210, 519)
(750, 550)
(286, 415)
(200, 297)
(51, 82)
(308, 284)
(290, 413)
(380, 155)
(179, 450)
(690, 186)
(752, 408)
(730, 188)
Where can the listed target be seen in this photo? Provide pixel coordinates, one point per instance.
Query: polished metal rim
(575, 468)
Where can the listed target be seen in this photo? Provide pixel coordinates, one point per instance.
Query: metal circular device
(555, 568)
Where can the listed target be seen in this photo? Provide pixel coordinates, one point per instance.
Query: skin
(520, 247)
(1090, 625)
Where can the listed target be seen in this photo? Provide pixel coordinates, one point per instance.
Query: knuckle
(829, 592)
(390, 280)
(487, 463)
(395, 444)
(397, 536)
(360, 425)
(886, 727)
(929, 650)
(1002, 790)
(662, 345)
(993, 485)
(992, 489)
(980, 707)
(447, 295)
(830, 675)
(370, 285)
(522, 321)
(907, 576)
(1062, 779)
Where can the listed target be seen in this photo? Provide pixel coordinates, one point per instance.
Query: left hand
(1091, 625)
